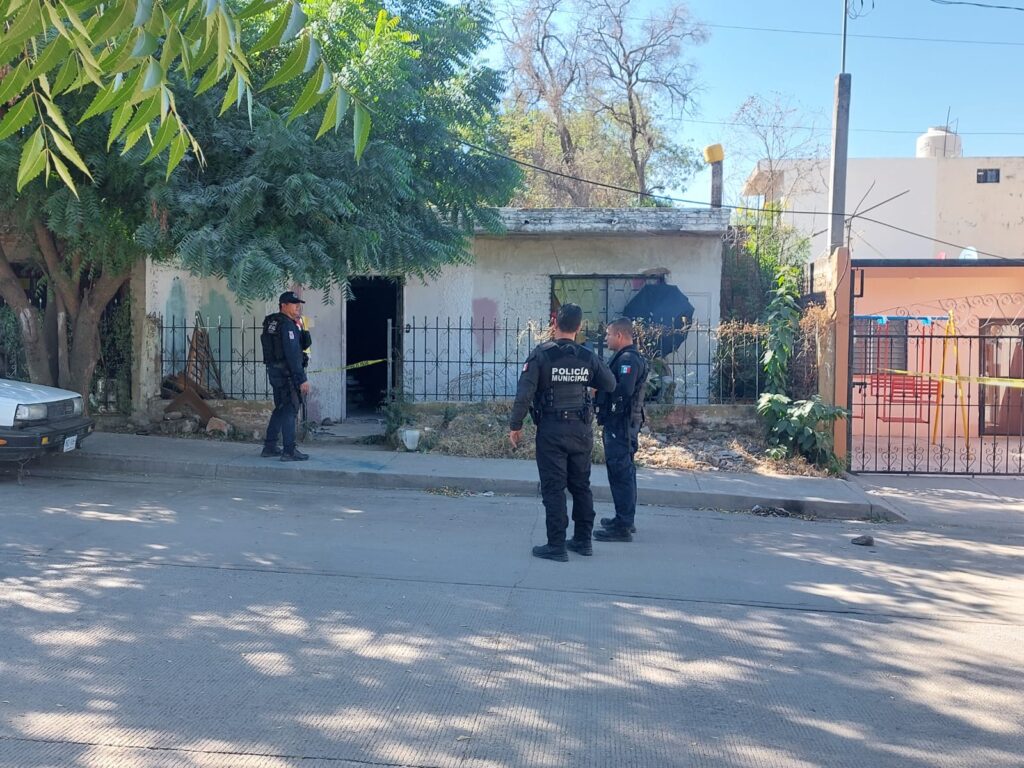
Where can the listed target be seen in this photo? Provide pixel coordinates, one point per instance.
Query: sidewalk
(367, 467)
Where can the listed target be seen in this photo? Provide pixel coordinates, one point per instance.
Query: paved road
(152, 625)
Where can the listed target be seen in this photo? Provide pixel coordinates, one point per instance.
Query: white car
(35, 420)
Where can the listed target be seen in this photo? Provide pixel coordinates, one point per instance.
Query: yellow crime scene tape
(992, 381)
(353, 366)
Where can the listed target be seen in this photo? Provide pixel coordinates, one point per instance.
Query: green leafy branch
(132, 56)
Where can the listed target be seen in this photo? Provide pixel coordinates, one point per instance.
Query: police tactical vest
(635, 412)
(566, 372)
(271, 341)
(638, 415)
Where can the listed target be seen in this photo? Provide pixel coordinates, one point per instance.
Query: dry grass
(481, 431)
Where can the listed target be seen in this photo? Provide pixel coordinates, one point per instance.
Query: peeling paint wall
(234, 329)
(510, 281)
(509, 286)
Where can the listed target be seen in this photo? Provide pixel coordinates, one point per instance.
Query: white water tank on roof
(939, 142)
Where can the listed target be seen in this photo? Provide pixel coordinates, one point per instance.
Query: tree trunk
(63, 349)
(30, 322)
(85, 353)
(85, 341)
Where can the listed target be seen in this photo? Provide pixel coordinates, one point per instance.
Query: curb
(306, 475)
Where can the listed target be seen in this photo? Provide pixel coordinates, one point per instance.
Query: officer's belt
(566, 414)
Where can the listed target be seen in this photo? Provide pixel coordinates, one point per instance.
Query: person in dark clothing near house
(282, 340)
(555, 388)
(621, 414)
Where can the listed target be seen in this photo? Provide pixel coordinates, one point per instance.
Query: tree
(84, 244)
(547, 76)
(597, 154)
(271, 204)
(135, 58)
(275, 206)
(782, 142)
(586, 73)
(638, 73)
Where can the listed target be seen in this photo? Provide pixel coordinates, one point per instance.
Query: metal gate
(927, 399)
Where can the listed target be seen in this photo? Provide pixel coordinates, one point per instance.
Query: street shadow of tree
(131, 640)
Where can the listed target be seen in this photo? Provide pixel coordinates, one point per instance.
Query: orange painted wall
(975, 294)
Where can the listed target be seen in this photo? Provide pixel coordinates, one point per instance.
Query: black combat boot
(269, 451)
(615, 533)
(612, 522)
(294, 455)
(580, 546)
(548, 552)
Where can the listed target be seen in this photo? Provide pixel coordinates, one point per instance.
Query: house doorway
(1002, 357)
(375, 300)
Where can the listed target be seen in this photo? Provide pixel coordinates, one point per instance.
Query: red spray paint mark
(485, 318)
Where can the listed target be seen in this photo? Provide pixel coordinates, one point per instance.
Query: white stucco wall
(175, 297)
(492, 305)
(988, 217)
(940, 199)
(871, 181)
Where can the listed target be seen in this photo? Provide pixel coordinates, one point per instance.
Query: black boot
(580, 546)
(269, 451)
(615, 533)
(294, 455)
(548, 552)
(613, 522)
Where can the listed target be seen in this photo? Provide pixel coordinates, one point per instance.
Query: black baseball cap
(289, 297)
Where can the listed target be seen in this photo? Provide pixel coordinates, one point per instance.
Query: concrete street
(218, 623)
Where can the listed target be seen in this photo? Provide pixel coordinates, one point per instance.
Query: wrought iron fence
(927, 402)
(462, 359)
(223, 360)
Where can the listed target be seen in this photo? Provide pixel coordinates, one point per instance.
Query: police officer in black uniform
(621, 414)
(282, 353)
(555, 387)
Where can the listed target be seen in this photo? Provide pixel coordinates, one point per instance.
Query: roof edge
(613, 221)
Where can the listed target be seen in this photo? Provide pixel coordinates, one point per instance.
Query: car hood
(23, 393)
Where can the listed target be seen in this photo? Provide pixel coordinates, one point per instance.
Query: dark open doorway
(375, 300)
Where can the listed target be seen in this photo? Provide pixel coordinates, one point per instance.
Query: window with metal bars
(603, 298)
(878, 347)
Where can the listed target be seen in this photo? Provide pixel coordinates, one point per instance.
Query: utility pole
(840, 144)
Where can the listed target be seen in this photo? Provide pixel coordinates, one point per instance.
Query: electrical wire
(987, 6)
(823, 33)
(822, 129)
(706, 204)
(863, 36)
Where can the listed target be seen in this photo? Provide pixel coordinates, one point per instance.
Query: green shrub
(800, 427)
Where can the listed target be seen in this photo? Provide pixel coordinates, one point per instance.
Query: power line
(859, 130)
(987, 6)
(706, 204)
(899, 38)
(824, 33)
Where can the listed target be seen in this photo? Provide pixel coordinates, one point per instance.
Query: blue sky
(898, 85)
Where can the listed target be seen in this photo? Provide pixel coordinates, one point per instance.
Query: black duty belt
(568, 414)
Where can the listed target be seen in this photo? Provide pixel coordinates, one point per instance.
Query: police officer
(621, 414)
(282, 353)
(555, 387)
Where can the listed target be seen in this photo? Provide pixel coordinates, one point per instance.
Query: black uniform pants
(563, 461)
(282, 420)
(620, 444)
